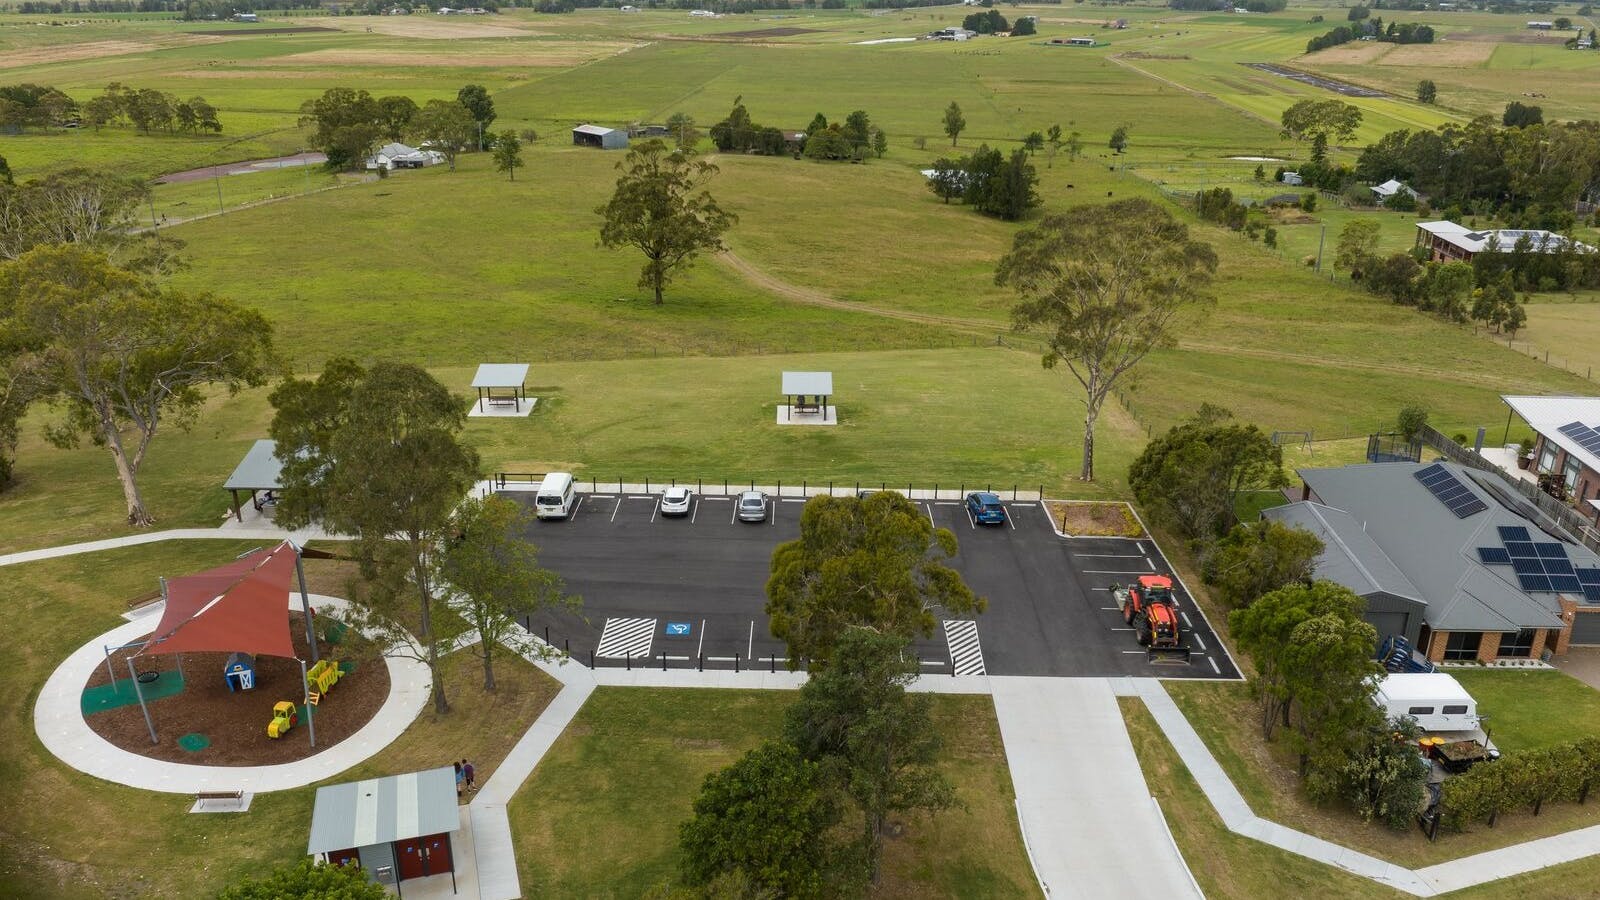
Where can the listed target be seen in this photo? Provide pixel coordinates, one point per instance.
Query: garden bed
(1095, 519)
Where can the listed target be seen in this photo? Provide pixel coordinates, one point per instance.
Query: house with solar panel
(1447, 241)
(1567, 446)
(1443, 557)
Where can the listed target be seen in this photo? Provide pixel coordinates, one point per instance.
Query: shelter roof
(260, 470)
(380, 810)
(500, 375)
(593, 129)
(797, 383)
(239, 607)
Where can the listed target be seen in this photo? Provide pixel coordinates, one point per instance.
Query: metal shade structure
(237, 607)
(260, 470)
(507, 377)
(798, 386)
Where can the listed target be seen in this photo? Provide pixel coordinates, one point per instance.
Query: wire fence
(939, 491)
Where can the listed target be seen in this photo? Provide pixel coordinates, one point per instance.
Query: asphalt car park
(690, 591)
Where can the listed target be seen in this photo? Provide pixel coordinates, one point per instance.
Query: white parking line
(1135, 651)
(1122, 629)
(1201, 641)
(701, 649)
(793, 499)
(1186, 623)
(929, 508)
(772, 520)
(1149, 563)
(735, 517)
(971, 522)
(575, 507)
(946, 502)
(654, 508)
(1009, 520)
(935, 662)
(750, 648)
(1113, 572)
(1108, 555)
(615, 508)
(640, 497)
(1214, 668)
(694, 511)
(1112, 608)
(602, 496)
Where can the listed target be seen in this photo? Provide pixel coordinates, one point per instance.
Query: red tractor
(1151, 607)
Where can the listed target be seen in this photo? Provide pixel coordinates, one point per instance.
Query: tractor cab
(1157, 589)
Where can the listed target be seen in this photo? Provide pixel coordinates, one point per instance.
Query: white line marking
(1186, 623)
(694, 512)
(615, 508)
(654, 508)
(1133, 651)
(1201, 641)
(946, 502)
(702, 647)
(710, 497)
(750, 648)
(1112, 572)
(1141, 548)
(773, 519)
(1112, 608)
(971, 522)
(1214, 665)
(602, 496)
(1009, 520)
(735, 517)
(794, 499)
(640, 497)
(572, 516)
(722, 659)
(1122, 629)
(1108, 556)
(626, 638)
(966, 652)
(1149, 563)
(929, 508)
(934, 662)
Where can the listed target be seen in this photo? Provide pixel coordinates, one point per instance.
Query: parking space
(690, 591)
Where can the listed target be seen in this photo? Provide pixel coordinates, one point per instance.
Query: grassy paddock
(601, 813)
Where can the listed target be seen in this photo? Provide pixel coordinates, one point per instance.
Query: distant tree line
(1529, 176)
(1396, 33)
(989, 182)
(347, 124)
(24, 106)
(191, 9)
(856, 138)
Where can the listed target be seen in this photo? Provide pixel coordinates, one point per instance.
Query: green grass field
(600, 815)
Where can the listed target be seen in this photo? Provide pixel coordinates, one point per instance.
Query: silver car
(675, 501)
(752, 506)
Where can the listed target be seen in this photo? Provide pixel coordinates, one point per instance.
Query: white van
(555, 497)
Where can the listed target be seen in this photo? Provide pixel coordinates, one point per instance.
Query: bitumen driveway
(690, 591)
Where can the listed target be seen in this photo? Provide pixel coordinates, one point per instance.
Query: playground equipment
(284, 717)
(324, 675)
(240, 672)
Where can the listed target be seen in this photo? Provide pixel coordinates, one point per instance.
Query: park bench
(235, 797)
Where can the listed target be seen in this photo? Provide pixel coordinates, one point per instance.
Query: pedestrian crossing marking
(626, 638)
(966, 653)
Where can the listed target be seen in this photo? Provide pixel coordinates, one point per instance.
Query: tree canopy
(445, 126)
(1256, 558)
(875, 562)
(1105, 285)
(954, 122)
(307, 880)
(508, 153)
(1190, 476)
(661, 208)
(1332, 119)
(124, 355)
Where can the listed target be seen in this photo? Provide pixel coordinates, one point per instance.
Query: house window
(1420, 711)
(1455, 710)
(1547, 458)
(1570, 475)
(1462, 646)
(1517, 643)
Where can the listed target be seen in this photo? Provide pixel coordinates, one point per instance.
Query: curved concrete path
(58, 720)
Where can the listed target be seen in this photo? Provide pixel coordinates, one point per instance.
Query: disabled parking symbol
(678, 629)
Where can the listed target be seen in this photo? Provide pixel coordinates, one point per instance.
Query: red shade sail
(240, 607)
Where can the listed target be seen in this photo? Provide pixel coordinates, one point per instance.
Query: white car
(752, 506)
(675, 501)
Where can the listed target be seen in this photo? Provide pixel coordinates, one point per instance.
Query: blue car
(985, 508)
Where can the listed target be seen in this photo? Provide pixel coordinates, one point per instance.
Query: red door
(408, 856)
(344, 857)
(436, 853)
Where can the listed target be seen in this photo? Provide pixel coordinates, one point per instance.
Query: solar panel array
(1541, 565)
(1457, 497)
(1586, 437)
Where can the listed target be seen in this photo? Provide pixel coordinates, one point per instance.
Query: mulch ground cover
(234, 725)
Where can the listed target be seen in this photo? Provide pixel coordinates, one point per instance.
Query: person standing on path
(466, 768)
(461, 780)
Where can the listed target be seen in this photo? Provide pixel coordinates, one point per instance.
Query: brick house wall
(1588, 484)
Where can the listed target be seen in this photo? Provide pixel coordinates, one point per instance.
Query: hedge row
(1521, 780)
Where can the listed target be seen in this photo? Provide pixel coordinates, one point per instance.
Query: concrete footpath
(1088, 818)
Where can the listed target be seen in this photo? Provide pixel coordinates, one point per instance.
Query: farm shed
(599, 136)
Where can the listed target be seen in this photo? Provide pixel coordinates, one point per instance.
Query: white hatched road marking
(966, 654)
(626, 637)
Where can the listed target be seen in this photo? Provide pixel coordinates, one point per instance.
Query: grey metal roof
(1351, 557)
(1436, 551)
(593, 129)
(380, 810)
(1546, 415)
(500, 375)
(258, 471)
(797, 383)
